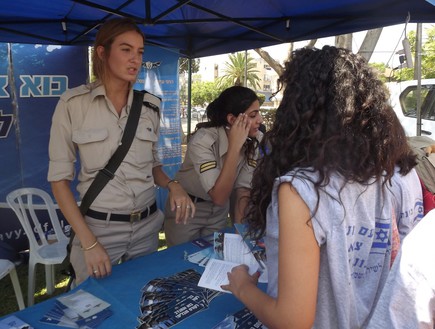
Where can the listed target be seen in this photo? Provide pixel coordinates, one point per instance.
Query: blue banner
(32, 77)
(159, 76)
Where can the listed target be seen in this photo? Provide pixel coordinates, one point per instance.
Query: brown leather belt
(133, 217)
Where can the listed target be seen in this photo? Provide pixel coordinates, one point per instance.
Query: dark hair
(334, 117)
(233, 100)
(105, 37)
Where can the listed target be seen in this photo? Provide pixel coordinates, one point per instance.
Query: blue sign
(159, 76)
(32, 77)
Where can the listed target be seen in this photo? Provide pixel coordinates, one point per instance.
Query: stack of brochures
(78, 310)
(230, 250)
(237, 249)
(167, 301)
(256, 246)
(242, 319)
(13, 322)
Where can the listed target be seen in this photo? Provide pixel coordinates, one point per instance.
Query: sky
(388, 44)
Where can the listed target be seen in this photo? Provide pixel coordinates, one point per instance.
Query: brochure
(13, 322)
(242, 319)
(78, 310)
(215, 274)
(84, 303)
(230, 250)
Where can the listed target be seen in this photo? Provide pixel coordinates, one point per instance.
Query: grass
(8, 302)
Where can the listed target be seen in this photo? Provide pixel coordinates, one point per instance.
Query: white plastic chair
(7, 267)
(24, 202)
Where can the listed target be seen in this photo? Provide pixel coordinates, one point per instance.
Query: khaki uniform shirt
(85, 120)
(203, 163)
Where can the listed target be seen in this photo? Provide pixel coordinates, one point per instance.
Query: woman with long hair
(123, 221)
(332, 195)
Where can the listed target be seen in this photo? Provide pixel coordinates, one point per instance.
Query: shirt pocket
(93, 147)
(144, 141)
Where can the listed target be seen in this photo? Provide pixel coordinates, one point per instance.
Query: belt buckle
(135, 216)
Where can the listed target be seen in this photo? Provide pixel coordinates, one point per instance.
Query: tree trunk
(344, 41)
(311, 43)
(277, 67)
(369, 43)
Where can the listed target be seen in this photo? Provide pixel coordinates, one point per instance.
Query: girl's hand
(181, 203)
(239, 278)
(97, 261)
(239, 132)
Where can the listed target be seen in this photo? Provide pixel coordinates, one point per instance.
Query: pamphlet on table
(230, 250)
(13, 322)
(80, 310)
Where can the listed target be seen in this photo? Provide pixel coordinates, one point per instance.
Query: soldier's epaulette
(252, 163)
(152, 101)
(76, 91)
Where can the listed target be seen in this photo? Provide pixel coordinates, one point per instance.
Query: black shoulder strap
(108, 172)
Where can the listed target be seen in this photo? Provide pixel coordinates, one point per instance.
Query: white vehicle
(403, 98)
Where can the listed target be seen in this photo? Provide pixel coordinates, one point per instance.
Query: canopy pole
(246, 69)
(189, 97)
(15, 109)
(417, 74)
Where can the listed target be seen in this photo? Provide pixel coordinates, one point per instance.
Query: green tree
(427, 57)
(183, 70)
(380, 67)
(234, 71)
(183, 66)
(205, 92)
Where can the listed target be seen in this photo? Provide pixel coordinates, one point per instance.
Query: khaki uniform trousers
(122, 240)
(208, 219)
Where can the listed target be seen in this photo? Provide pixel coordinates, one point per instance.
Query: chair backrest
(26, 202)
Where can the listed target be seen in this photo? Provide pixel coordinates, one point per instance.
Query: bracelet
(172, 181)
(91, 247)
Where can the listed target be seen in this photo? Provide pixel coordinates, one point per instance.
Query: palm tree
(234, 71)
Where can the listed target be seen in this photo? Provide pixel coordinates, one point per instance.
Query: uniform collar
(98, 89)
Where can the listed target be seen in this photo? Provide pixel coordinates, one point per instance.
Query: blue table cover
(123, 291)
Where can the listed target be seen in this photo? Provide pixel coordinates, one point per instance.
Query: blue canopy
(198, 28)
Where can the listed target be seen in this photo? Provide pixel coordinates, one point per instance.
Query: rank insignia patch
(207, 166)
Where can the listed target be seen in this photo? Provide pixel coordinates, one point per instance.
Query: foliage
(183, 65)
(427, 57)
(183, 70)
(234, 71)
(380, 68)
(205, 92)
(261, 98)
(8, 302)
(268, 117)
